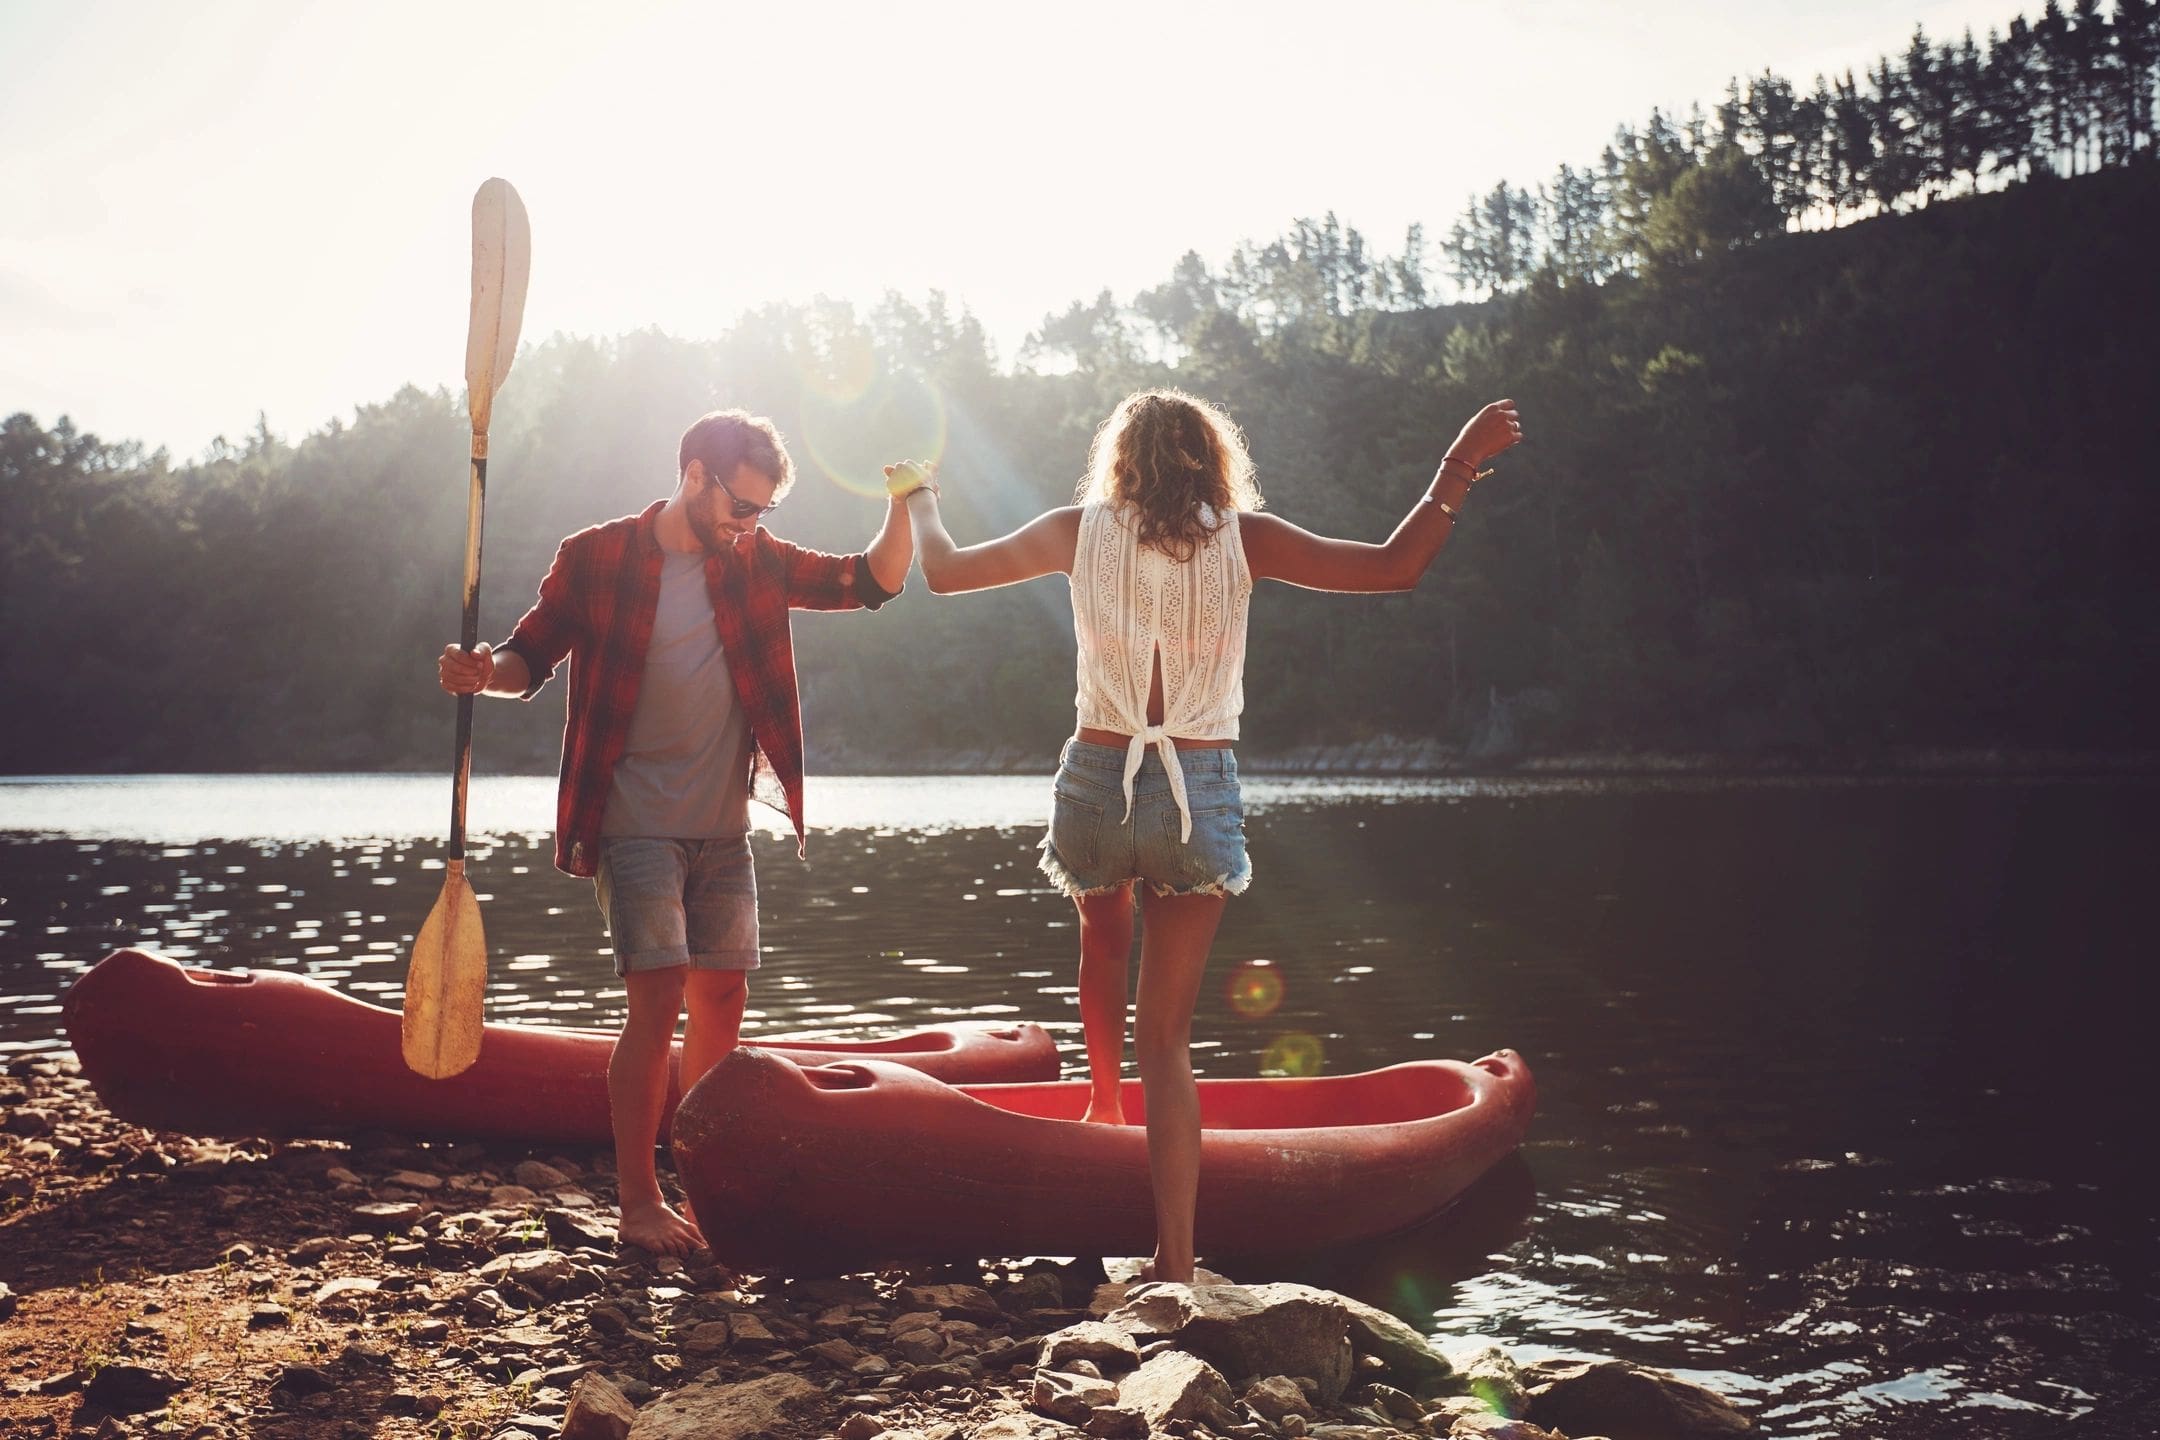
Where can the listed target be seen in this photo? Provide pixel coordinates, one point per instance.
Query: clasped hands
(905, 477)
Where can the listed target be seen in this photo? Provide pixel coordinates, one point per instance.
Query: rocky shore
(152, 1284)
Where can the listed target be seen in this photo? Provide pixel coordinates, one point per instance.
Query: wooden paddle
(448, 976)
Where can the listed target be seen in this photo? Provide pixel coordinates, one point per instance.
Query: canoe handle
(218, 977)
(839, 1077)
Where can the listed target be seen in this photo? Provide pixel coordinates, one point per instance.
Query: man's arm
(523, 663)
(893, 550)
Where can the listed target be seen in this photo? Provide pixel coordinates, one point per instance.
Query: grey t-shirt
(684, 772)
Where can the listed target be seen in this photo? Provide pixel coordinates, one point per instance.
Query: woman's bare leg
(1106, 924)
(1176, 933)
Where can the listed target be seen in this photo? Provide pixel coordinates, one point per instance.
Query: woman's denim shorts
(1093, 847)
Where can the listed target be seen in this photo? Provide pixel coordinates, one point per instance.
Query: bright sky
(220, 208)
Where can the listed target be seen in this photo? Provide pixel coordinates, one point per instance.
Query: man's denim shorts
(679, 902)
(1092, 846)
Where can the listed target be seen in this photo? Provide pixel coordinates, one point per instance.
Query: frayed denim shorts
(679, 902)
(1093, 847)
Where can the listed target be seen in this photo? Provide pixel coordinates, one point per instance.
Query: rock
(937, 1377)
(547, 1271)
(126, 1389)
(705, 1409)
(8, 1302)
(855, 1427)
(1106, 1345)
(1249, 1330)
(428, 1332)
(1489, 1426)
(348, 1295)
(1108, 1296)
(537, 1175)
(308, 1251)
(1043, 1290)
(1487, 1372)
(574, 1229)
(1116, 1422)
(966, 1302)
(1391, 1402)
(1628, 1402)
(360, 1354)
(1068, 1397)
(836, 1353)
(747, 1332)
(919, 1347)
(414, 1180)
(1414, 1361)
(1008, 1353)
(870, 1367)
(268, 1316)
(1174, 1386)
(382, 1217)
(706, 1339)
(296, 1382)
(1276, 1396)
(597, 1411)
(30, 1120)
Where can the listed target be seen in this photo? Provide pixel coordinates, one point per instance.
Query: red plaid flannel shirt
(597, 605)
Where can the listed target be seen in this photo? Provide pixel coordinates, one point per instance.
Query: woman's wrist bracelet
(1475, 473)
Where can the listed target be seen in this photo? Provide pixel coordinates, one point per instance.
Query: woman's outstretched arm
(1043, 546)
(1275, 549)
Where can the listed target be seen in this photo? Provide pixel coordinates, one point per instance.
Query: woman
(1162, 550)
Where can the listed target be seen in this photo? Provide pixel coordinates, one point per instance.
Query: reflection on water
(1841, 1091)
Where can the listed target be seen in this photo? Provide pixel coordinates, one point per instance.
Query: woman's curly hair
(1177, 462)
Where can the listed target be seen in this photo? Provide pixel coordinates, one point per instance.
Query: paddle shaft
(461, 768)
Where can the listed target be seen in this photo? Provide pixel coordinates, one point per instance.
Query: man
(682, 702)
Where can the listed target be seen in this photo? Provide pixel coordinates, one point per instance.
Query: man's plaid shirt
(596, 606)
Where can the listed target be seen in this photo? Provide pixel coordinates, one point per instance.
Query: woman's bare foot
(656, 1227)
(1185, 1274)
(1100, 1112)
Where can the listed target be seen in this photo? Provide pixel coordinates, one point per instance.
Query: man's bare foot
(656, 1227)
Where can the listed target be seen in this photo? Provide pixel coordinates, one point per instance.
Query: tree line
(1830, 493)
(2068, 94)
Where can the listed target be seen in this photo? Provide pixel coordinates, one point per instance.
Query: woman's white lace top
(1131, 602)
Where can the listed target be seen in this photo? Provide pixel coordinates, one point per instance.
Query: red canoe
(865, 1164)
(265, 1053)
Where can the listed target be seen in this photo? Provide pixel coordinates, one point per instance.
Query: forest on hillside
(1839, 400)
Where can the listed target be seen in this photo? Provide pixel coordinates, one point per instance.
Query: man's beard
(708, 531)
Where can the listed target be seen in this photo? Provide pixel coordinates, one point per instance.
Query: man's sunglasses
(744, 509)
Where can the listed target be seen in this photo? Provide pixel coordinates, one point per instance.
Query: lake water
(1844, 1098)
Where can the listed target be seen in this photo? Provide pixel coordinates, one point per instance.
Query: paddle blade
(501, 263)
(445, 983)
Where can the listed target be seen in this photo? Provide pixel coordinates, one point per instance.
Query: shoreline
(389, 1287)
(1390, 757)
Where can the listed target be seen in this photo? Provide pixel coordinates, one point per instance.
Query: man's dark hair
(725, 439)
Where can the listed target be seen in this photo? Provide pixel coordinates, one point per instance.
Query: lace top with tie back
(1132, 603)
